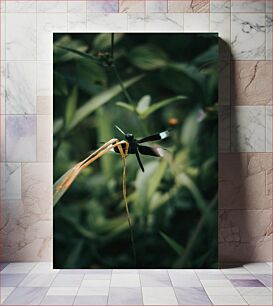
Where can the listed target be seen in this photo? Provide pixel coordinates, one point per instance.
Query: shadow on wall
(244, 181)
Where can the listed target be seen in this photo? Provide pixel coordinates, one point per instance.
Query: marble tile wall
(245, 107)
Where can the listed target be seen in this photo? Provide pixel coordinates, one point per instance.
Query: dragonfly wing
(118, 128)
(155, 137)
(159, 152)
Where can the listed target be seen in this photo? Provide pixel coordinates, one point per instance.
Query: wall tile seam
(47, 61)
(3, 192)
(142, 12)
(245, 209)
(230, 3)
(241, 153)
(27, 162)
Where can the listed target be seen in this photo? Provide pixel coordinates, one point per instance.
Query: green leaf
(156, 106)
(126, 106)
(184, 79)
(179, 250)
(65, 44)
(60, 87)
(119, 229)
(57, 125)
(105, 132)
(89, 74)
(142, 187)
(209, 56)
(156, 178)
(192, 242)
(58, 191)
(103, 41)
(109, 224)
(146, 185)
(187, 182)
(74, 254)
(71, 105)
(94, 103)
(79, 53)
(82, 230)
(190, 71)
(147, 57)
(143, 104)
(190, 130)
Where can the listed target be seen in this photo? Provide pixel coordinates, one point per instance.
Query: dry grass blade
(123, 154)
(68, 178)
(63, 183)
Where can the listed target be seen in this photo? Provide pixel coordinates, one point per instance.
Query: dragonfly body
(132, 143)
(136, 148)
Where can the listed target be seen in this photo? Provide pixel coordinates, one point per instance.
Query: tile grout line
(266, 43)
(5, 82)
(210, 29)
(203, 286)
(85, 14)
(236, 290)
(66, 17)
(173, 287)
(48, 288)
(229, 282)
(74, 300)
(107, 300)
(229, 80)
(36, 7)
(141, 288)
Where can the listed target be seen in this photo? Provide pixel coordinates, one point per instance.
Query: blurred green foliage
(158, 81)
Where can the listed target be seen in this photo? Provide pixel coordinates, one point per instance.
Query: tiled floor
(39, 284)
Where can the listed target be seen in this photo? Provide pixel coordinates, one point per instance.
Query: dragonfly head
(129, 136)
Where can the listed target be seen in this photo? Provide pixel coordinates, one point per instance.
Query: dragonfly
(136, 148)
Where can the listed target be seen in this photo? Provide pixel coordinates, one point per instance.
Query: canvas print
(135, 150)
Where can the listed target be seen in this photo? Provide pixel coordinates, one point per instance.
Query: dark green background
(173, 204)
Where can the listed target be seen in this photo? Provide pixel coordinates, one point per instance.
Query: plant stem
(182, 261)
(112, 46)
(127, 209)
(125, 92)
